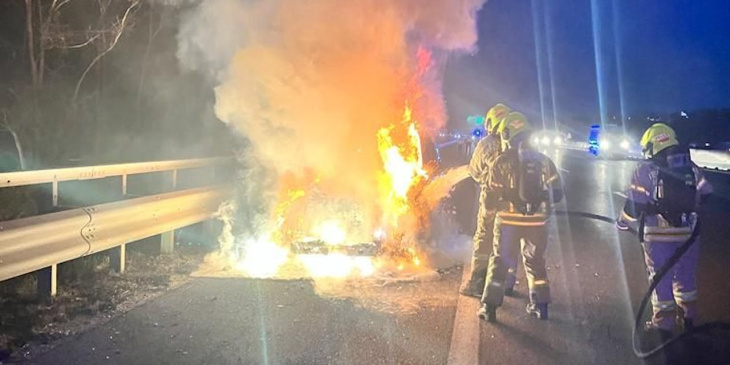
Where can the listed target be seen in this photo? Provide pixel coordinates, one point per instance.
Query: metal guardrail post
(55, 194)
(173, 180)
(124, 185)
(118, 258)
(167, 239)
(47, 284)
(167, 242)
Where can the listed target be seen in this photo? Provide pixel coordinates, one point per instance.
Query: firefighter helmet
(658, 138)
(494, 116)
(513, 125)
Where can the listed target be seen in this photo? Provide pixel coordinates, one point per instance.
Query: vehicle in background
(593, 136)
(611, 142)
(449, 147)
(548, 138)
(711, 160)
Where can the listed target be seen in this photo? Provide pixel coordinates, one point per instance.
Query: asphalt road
(597, 278)
(241, 321)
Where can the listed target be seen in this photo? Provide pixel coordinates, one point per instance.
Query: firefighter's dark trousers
(483, 238)
(509, 242)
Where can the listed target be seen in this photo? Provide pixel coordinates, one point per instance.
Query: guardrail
(40, 243)
(54, 176)
(711, 160)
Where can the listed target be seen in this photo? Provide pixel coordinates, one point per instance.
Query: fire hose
(660, 274)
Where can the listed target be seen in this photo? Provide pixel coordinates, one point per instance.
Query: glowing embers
(314, 258)
(331, 232)
(337, 265)
(321, 231)
(262, 258)
(398, 255)
(314, 246)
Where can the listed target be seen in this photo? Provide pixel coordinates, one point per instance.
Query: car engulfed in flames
(332, 236)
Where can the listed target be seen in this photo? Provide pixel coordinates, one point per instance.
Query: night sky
(643, 56)
(548, 58)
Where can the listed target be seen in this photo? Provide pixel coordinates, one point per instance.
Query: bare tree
(116, 30)
(30, 37)
(60, 36)
(45, 31)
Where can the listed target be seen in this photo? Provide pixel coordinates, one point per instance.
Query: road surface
(597, 277)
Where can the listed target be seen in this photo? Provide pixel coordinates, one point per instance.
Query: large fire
(403, 172)
(400, 150)
(330, 99)
(403, 167)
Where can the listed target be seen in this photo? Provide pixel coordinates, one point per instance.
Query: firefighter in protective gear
(659, 232)
(528, 184)
(484, 154)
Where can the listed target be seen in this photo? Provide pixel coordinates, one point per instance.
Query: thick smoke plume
(309, 83)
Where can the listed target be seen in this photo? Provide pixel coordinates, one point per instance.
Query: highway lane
(597, 277)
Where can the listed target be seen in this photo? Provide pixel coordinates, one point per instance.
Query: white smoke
(308, 83)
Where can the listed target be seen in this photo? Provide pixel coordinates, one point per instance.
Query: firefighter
(665, 192)
(528, 184)
(484, 154)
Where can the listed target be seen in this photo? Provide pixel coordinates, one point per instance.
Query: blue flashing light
(593, 145)
(477, 132)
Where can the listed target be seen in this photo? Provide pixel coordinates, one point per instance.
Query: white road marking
(464, 348)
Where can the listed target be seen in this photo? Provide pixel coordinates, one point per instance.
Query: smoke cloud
(309, 83)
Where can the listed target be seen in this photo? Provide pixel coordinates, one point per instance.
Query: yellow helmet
(512, 125)
(657, 138)
(495, 116)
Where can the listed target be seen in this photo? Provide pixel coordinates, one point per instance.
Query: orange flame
(403, 167)
(401, 212)
(400, 150)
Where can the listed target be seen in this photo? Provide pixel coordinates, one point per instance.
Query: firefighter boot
(474, 287)
(663, 335)
(539, 310)
(683, 323)
(689, 324)
(488, 312)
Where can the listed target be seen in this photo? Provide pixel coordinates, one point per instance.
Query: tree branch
(81, 45)
(30, 36)
(56, 6)
(150, 39)
(41, 47)
(122, 25)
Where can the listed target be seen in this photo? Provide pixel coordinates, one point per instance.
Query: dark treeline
(697, 127)
(87, 82)
(703, 126)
